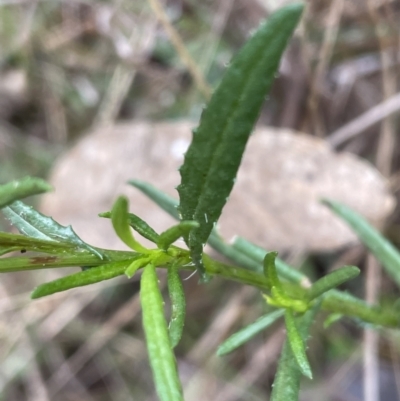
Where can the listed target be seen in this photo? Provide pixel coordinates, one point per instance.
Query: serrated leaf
(80, 279)
(139, 225)
(333, 280)
(286, 385)
(379, 246)
(162, 359)
(20, 189)
(178, 305)
(120, 222)
(168, 237)
(34, 224)
(248, 332)
(214, 155)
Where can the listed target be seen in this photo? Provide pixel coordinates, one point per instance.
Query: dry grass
(66, 66)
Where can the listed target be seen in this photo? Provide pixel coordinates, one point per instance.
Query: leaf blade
(287, 379)
(215, 153)
(297, 345)
(162, 359)
(168, 237)
(379, 246)
(22, 188)
(139, 226)
(332, 280)
(120, 222)
(34, 224)
(80, 279)
(242, 336)
(178, 305)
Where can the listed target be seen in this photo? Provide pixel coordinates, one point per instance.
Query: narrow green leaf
(12, 264)
(178, 305)
(162, 359)
(346, 304)
(379, 246)
(270, 270)
(80, 279)
(36, 225)
(20, 189)
(296, 344)
(332, 280)
(163, 200)
(120, 222)
(139, 225)
(168, 237)
(248, 332)
(23, 243)
(287, 379)
(213, 158)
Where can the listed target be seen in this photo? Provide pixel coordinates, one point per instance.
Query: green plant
(208, 174)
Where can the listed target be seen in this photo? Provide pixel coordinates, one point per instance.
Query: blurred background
(75, 72)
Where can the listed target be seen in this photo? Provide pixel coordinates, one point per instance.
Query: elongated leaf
(162, 359)
(382, 249)
(214, 156)
(287, 379)
(138, 225)
(23, 243)
(36, 225)
(297, 345)
(270, 270)
(12, 264)
(346, 304)
(332, 280)
(178, 305)
(120, 222)
(163, 200)
(80, 279)
(20, 189)
(248, 332)
(168, 237)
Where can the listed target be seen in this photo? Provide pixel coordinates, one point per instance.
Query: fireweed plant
(207, 177)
